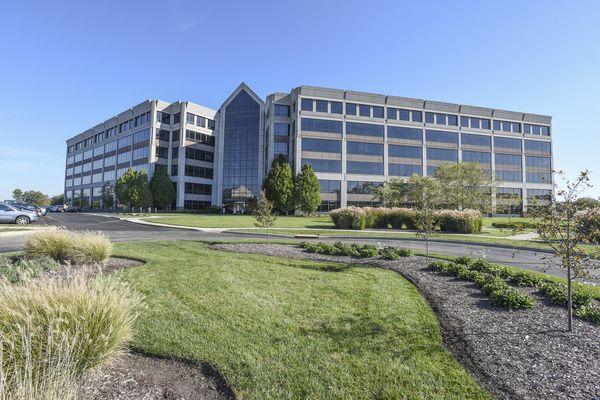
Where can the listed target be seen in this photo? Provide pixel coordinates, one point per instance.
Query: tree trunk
(570, 298)
(427, 248)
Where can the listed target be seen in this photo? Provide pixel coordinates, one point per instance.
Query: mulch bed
(135, 376)
(524, 354)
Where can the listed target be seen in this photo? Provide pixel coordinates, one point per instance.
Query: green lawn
(12, 229)
(291, 329)
(239, 221)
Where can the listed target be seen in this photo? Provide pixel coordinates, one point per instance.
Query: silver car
(12, 215)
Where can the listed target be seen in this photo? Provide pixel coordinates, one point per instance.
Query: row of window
(199, 137)
(198, 188)
(200, 121)
(122, 127)
(198, 154)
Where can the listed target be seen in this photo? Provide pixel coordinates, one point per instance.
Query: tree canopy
(163, 191)
(465, 185)
(279, 185)
(133, 190)
(33, 197)
(307, 190)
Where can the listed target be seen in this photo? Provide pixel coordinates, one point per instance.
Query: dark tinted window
(321, 105)
(373, 149)
(321, 125)
(356, 128)
(336, 107)
(307, 104)
(322, 145)
(405, 151)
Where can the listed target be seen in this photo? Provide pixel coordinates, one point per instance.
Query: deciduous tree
(466, 185)
(426, 194)
(163, 191)
(264, 213)
(133, 190)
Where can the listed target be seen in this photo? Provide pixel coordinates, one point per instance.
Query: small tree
(425, 193)
(57, 200)
(559, 226)
(108, 196)
(133, 190)
(392, 193)
(307, 190)
(162, 188)
(17, 194)
(466, 185)
(279, 184)
(264, 213)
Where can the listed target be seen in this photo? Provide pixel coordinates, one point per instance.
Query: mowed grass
(240, 221)
(290, 329)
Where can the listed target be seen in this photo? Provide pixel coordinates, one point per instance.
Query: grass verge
(280, 328)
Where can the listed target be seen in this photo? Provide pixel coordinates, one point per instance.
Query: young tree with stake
(264, 213)
(425, 193)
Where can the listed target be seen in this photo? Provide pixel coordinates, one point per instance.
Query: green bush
(94, 317)
(348, 218)
(393, 253)
(523, 278)
(365, 250)
(466, 221)
(589, 313)
(589, 223)
(514, 225)
(557, 294)
(77, 247)
(17, 269)
(465, 260)
(487, 267)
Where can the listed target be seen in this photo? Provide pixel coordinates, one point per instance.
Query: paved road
(122, 231)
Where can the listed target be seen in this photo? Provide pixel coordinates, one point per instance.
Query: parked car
(57, 208)
(13, 215)
(73, 209)
(28, 207)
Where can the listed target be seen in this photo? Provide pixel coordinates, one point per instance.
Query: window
(174, 170)
(364, 110)
(478, 157)
(198, 154)
(538, 162)
(97, 178)
(322, 145)
(539, 177)
(124, 157)
(475, 140)
(141, 136)
(507, 126)
(198, 172)
(442, 154)
(537, 146)
(306, 104)
(405, 151)
(97, 164)
(539, 194)
(372, 149)
(210, 124)
(162, 152)
(174, 152)
(356, 128)
(190, 118)
(321, 125)
(362, 167)
(416, 116)
(109, 161)
(509, 176)
(404, 115)
(377, 112)
(87, 167)
(350, 108)
(198, 188)
(282, 110)
(441, 119)
(361, 187)
(281, 148)
(508, 193)
(98, 150)
(321, 106)
(404, 169)
(452, 120)
(429, 117)
(195, 204)
(282, 129)
(442, 136)
(336, 107)
(508, 159)
(472, 122)
(536, 129)
(177, 118)
(162, 134)
(125, 141)
(330, 186)
(392, 113)
(175, 136)
(201, 121)
(88, 154)
(164, 118)
(200, 137)
(112, 146)
(324, 165)
(78, 157)
(109, 175)
(507, 143)
(401, 132)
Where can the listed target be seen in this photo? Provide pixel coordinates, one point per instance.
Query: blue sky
(69, 65)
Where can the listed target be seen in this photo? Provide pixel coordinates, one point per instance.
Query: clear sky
(68, 65)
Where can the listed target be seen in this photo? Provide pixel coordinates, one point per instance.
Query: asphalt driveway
(122, 231)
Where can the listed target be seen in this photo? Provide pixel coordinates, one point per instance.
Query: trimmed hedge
(514, 225)
(355, 250)
(467, 221)
(499, 292)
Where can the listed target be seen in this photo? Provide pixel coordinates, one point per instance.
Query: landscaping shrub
(465, 260)
(17, 269)
(365, 250)
(523, 278)
(94, 317)
(348, 218)
(482, 265)
(590, 224)
(557, 294)
(50, 243)
(515, 225)
(393, 253)
(466, 221)
(589, 313)
(77, 247)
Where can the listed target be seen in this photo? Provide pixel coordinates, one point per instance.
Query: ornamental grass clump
(348, 218)
(59, 329)
(62, 245)
(17, 269)
(465, 221)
